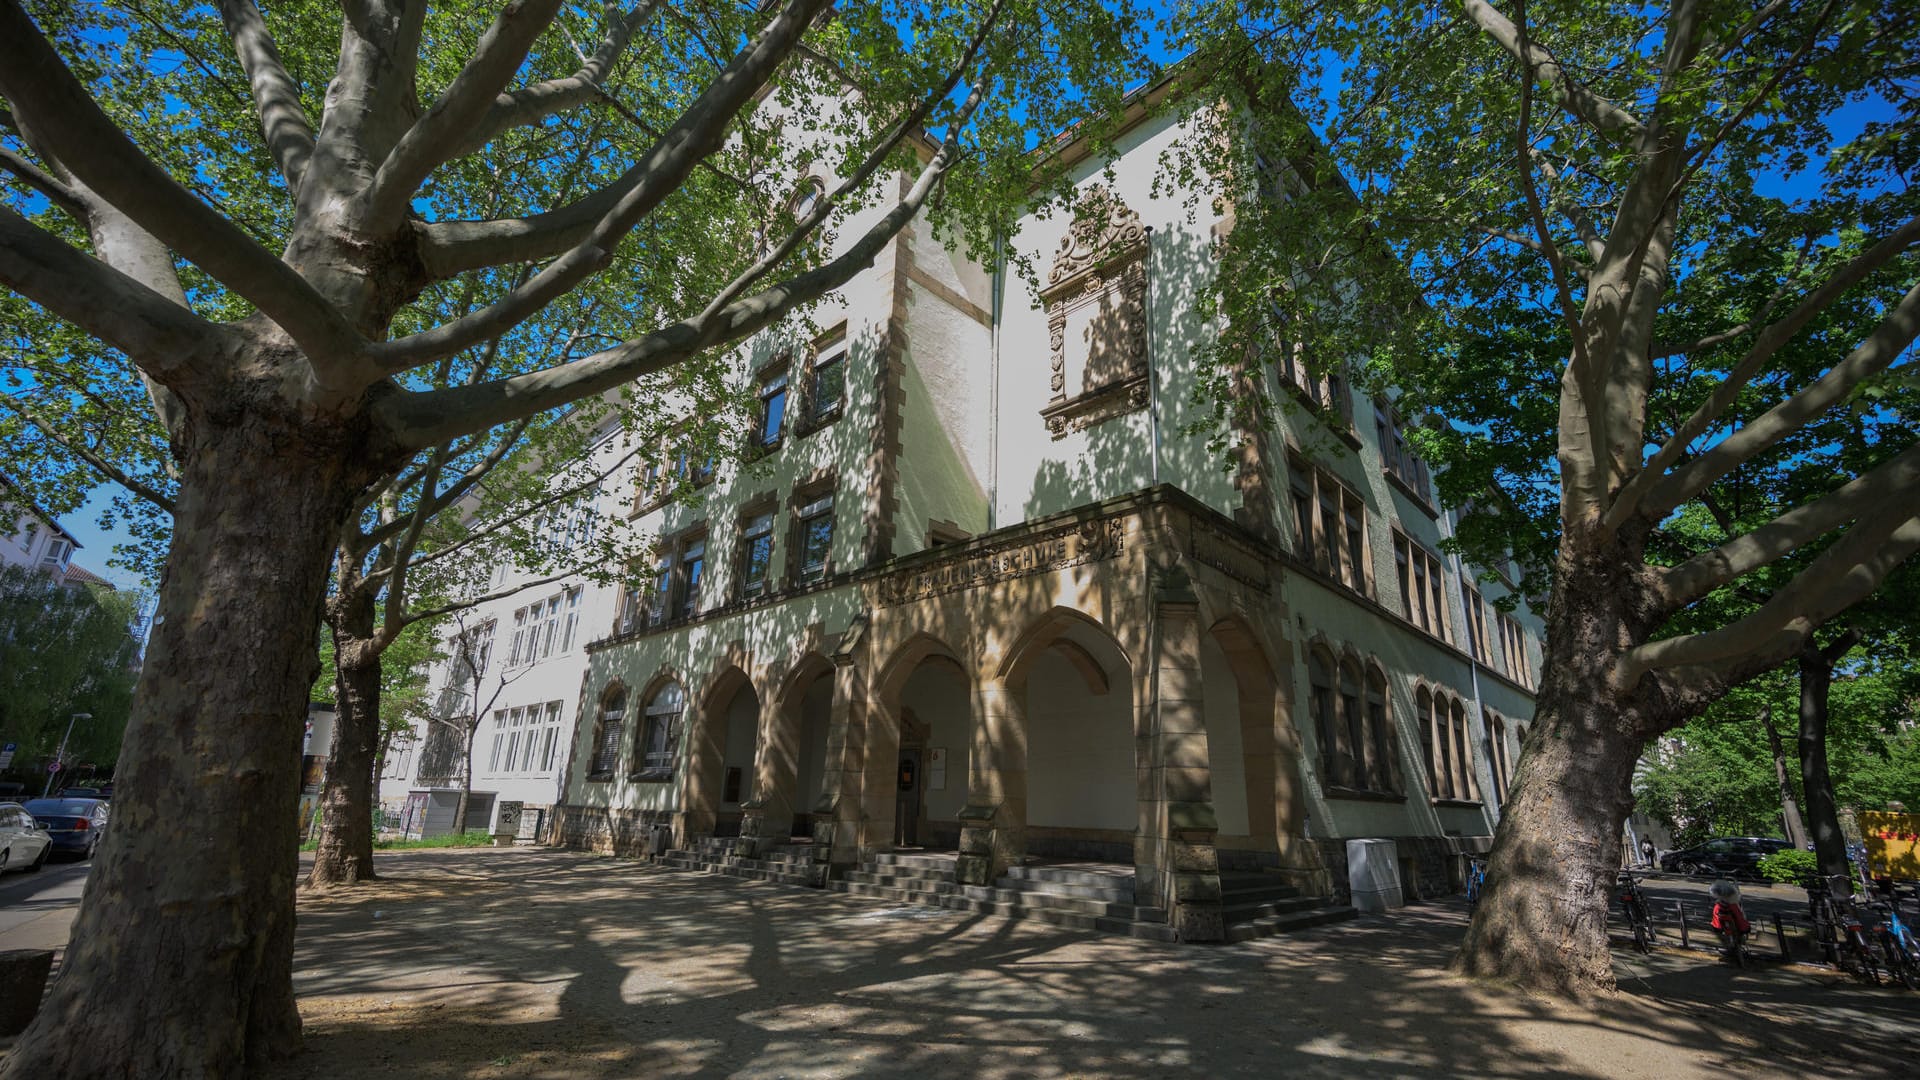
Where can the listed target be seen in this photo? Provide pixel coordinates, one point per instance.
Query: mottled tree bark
(344, 855)
(192, 891)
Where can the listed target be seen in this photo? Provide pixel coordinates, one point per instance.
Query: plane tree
(253, 217)
(1629, 252)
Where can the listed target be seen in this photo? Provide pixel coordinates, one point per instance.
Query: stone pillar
(1181, 861)
(993, 824)
(836, 816)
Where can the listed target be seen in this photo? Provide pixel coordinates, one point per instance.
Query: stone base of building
(608, 831)
(1430, 866)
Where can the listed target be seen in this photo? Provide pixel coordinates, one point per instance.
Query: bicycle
(1634, 904)
(1899, 946)
(1476, 880)
(1730, 920)
(1847, 939)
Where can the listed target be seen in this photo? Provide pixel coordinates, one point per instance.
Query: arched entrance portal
(933, 732)
(720, 765)
(1067, 744)
(791, 765)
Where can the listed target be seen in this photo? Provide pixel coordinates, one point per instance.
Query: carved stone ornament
(1097, 284)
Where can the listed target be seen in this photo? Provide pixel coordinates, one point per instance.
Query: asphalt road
(36, 909)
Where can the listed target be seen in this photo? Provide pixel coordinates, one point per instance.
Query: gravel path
(524, 963)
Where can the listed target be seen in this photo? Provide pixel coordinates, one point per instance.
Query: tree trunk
(1823, 815)
(1542, 920)
(344, 855)
(466, 778)
(1789, 806)
(180, 961)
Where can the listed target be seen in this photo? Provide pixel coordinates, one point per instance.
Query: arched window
(606, 740)
(1353, 729)
(1386, 768)
(1443, 740)
(1423, 716)
(1463, 785)
(659, 733)
(1497, 752)
(1320, 701)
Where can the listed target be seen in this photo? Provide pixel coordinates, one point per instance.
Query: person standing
(1646, 852)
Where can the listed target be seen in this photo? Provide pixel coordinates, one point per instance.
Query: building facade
(986, 587)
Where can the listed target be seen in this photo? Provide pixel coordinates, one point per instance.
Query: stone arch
(657, 723)
(790, 760)
(712, 734)
(1382, 725)
(948, 721)
(1069, 783)
(1262, 786)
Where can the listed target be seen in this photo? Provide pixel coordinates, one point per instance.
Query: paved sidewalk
(522, 963)
(37, 909)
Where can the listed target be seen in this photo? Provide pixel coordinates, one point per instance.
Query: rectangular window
(1330, 526)
(693, 564)
(773, 409)
(1476, 617)
(826, 384)
(532, 741)
(546, 753)
(1302, 487)
(550, 631)
(570, 624)
(493, 762)
(1421, 583)
(1397, 458)
(517, 651)
(1513, 649)
(661, 602)
(815, 527)
(756, 554)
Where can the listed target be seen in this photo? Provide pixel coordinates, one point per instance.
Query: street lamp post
(60, 756)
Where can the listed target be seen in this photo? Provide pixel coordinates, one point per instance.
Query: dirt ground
(525, 963)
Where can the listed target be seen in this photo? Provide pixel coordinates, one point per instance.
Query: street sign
(6, 754)
(53, 766)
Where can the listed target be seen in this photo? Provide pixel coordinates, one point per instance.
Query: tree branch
(434, 137)
(696, 135)
(276, 97)
(45, 183)
(159, 335)
(1895, 332)
(1887, 484)
(1838, 578)
(1585, 105)
(531, 104)
(424, 418)
(91, 146)
(85, 453)
(1769, 342)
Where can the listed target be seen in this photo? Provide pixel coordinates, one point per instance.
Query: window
(1396, 456)
(517, 650)
(653, 757)
(1445, 739)
(1422, 598)
(1499, 757)
(773, 409)
(570, 624)
(552, 738)
(1476, 617)
(806, 198)
(32, 534)
(1513, 651)
(57, 552)
(1321, 701)
(1385, 774)
(826, 382)
(606, 743)
(1330, 527)
(1354, 727)
(693, 563)
(756, 554)
(499, 735)
(633, 601)
(813, 524)
(1326, 394)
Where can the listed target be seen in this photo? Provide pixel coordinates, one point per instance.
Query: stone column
(767, 818)
(1185, 867)
(993, 824)
(836, 817)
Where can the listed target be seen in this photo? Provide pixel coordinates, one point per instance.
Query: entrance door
(906, 811)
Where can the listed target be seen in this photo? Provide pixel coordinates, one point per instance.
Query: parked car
(24, 845)
(83, 793)
(1728, 856)
(74, 824)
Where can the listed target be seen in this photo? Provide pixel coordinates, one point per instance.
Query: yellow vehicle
(1893, 844)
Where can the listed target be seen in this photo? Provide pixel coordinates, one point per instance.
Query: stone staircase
(1254, 904)
(1076, 896)
(787, 864)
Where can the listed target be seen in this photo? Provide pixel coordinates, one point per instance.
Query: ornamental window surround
(753, 575)
(1348, 701)
(771, 421)
(812, 548)
(607, 734)
(1096, 306)
(826, 380)
(1447, 745)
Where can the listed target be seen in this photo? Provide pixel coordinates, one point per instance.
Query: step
(1248, 911)
(931, 896)
(1051, 901)
(903, 886)
(1116, 894)
(917, 873)
(918, 862)
(1150, 931)
(1284, 924)
(1116, 878)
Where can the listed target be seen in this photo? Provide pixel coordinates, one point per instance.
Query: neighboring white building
(32, 538)
(980, 592)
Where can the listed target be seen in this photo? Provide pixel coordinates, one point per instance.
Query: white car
(24, 845)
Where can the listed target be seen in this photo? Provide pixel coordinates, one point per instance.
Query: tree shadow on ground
(541, 964)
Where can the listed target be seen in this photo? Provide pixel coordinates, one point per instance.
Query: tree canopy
(65, 650)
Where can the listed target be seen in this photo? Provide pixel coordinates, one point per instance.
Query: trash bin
(1373, 875)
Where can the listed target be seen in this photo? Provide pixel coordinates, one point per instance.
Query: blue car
(74, 824)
